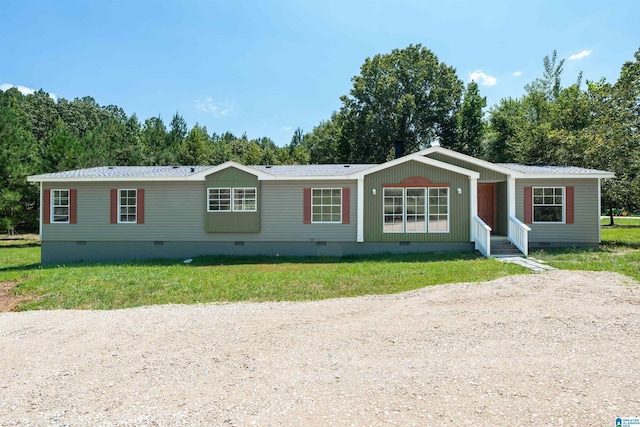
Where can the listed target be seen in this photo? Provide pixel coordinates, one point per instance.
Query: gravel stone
(556, 348)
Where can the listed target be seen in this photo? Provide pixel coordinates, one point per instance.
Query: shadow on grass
(224, 260)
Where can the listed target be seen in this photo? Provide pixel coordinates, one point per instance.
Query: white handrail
(519, 235)
(481, 235)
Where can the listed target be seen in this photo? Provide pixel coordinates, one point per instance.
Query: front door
(487, 205)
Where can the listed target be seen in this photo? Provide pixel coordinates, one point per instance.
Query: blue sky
(268, 67)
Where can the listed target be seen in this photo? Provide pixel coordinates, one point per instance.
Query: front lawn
(619, 251)
(222, 279)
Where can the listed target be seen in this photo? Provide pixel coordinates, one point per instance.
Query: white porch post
(511, 196)
(599, 210)
(41, 212)
(473, 194)
(360, 216)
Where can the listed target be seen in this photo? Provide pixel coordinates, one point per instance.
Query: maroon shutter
(140, 206)
(569, 214)
(114, 206)
(46, 207)
(307, 206)
(528, 205)
(346, 205)
(73, 206)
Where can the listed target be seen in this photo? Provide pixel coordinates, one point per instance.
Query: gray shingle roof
(127, 171)
(542, 169)
(311, 170)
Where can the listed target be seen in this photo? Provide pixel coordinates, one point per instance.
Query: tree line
(406, 95)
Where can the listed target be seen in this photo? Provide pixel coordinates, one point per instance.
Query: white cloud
(24, 90)
(218, 109)
(287, 128)
(517, 73)
(482, 78)
(580, 55)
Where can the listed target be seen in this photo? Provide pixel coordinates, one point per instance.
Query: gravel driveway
(552, 349)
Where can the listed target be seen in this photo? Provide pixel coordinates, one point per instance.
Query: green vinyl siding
(176, 211)
(586, 214)
(459, 204)
(232, 222)
(502, 209)
(485, 174)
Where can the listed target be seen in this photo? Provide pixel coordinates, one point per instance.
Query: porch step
(501, 247)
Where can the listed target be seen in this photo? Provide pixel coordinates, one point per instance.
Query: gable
(485, 173)
(231, 177)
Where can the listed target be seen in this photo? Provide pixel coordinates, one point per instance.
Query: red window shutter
(528, 205)
(346, 205)
(46, 207)
(73, 206)
(307, 206)
(569, 204)
(114, 206)
(140, 206)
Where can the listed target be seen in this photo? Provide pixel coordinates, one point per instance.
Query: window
(232, 199)
(219, 200)
(415, 203)
(60, 206)
(548, 204)
(326, 205)
(127, 206)
(405, 210)
(244, 199)
(393, 210)
(438, 210)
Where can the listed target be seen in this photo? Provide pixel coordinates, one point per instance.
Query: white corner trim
(360, 213)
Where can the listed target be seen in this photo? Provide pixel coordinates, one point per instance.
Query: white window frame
(448, 216)
(427, 205)
(53, 206)
(322, 205)
(232, 202)
(233, 199)
(120, 221)
(563, 205)
(402, 214)
(219, 189)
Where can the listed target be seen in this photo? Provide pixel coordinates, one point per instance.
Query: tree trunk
(611, 215)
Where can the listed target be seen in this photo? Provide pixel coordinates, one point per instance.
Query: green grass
(619, 251)
(220, 279)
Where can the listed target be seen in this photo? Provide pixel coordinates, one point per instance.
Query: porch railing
(481, 235)
(519, 235)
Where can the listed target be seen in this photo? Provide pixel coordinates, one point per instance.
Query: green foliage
(406, 95)
(596, 127)
(40, 135)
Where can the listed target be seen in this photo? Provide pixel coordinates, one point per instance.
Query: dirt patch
(8, 300)
(558, 348)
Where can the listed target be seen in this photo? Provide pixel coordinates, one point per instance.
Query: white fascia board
(472, 160)
(567, 176)
(418, 158)
(200, 176)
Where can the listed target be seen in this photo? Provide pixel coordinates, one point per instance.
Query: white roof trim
(418, 158)
(568, 176)
(472, 160)
(200, 176)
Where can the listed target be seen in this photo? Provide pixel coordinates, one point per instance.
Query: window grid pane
(548, 204)
(326, 205)
(244, 199)
(219, 199)
(60, 206)
(438, 210)
(393, 210)
(128, 206)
